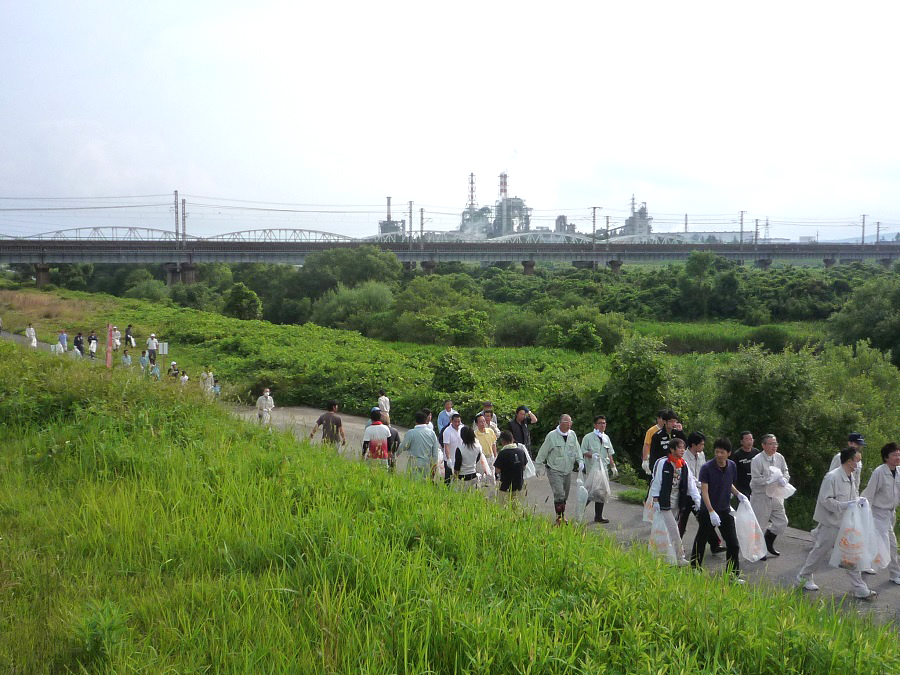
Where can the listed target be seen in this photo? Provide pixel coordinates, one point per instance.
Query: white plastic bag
(486, 469)
(530, 468)
(749, 533)
(775, 490)
(582, 499)
(853, 549)
(881, 547)
(659, 538)
(597, 483)
(649, 511)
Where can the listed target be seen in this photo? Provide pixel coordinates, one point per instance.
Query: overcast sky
(783, 109)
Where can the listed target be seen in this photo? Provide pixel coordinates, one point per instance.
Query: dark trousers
(683, 521)
(707, 535)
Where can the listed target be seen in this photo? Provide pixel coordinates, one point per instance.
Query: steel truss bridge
(138, 245)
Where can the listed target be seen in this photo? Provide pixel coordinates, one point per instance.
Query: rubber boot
(770, 543)
(598, 513)
(560, 508)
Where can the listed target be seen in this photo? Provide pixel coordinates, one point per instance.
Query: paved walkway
(629, 529)
(626, 523)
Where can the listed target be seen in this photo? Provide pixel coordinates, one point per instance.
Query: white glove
(741, 497)
(862, 501)
(580, 466)
(656, 506)
(782, 481)
(714, 519)
(645, 465)
(615, 472)
(846, 505)
(697, 506)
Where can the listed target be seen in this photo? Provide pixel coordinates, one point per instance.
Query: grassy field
(726, 336)
(143, 529)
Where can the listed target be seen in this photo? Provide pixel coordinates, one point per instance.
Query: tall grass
(726, 336)
(144, 529)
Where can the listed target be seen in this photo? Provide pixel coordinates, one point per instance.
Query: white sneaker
(808, 584)
(683, 562)
(739, 580)
(896, 580)
(869, 571)
(870, 596)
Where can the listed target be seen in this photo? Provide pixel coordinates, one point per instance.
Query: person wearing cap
(659, 444)
(173, 370)
(93, 341)
(152, 347)
(265, 404)
(561, 454)
(129, 338)
(116, 338)
(854, 440)
(519, 426)
(78, 343)
(376, 440)
(836, 494)
(883, 493)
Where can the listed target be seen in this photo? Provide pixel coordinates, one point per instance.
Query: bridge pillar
(615, 265)
(41, 275)
(173, 274)
(886, 262)
(528, 267)
(409, 265)
(188, 273)
(828, 262)
(429, 266)
(764, 263)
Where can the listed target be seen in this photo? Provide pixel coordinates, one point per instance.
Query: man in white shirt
(883, 493)
(837, 494)
(384, 405)
(264, 406)
(376, 440)
(451, 440)
(769, 511)
(152, 347)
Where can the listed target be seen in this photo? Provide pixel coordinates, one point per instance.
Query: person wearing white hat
(173, 370)
(116, 338)
(152, 347)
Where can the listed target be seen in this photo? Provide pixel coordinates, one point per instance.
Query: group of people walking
(682, 482)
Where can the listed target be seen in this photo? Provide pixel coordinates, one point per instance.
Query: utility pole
(863, 229)
(878, 232)
(742, 229)
(176, 217)
(607, 233)
(594, 230)
(685, 223)
(756, 235)
(766, 237)
(410, 224)
(183, 225)
(422, 229)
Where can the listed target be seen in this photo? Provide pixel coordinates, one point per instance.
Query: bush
(772, 338)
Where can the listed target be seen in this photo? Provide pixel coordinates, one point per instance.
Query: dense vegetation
(367, 290)
(809, 399)
(143, 529)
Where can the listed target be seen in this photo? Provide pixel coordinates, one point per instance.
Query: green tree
(872, 313)
(242, 303)
(635, 390)
(363, 308)
(152, 289)
(323, 271)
